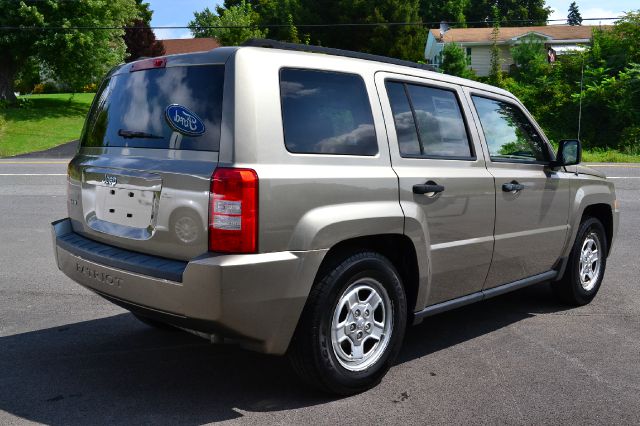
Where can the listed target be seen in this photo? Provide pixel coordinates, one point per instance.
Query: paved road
(68, 357)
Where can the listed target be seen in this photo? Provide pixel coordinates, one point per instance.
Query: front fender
(588, 191)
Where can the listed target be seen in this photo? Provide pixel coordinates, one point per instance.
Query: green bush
(454, 61)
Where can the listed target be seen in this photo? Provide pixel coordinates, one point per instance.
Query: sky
(170, 13)
(592, 9)
(179, 13)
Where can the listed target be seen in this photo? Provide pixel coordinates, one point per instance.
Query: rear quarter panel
(308, 201)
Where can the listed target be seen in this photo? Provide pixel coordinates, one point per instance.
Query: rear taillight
(233, 211)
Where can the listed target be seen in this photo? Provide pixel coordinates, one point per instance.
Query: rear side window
(326, 113)
(169, 108)
(403, 118)
(428, 122)
(509, 135)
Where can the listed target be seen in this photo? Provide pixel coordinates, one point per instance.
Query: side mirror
(569, 153)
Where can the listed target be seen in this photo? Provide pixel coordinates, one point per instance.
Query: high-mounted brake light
(150, 63)
(233, 211)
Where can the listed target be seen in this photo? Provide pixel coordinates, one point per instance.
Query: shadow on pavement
(66, 150)
(117, 370)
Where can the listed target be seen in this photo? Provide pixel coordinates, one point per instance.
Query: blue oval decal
(184, 121)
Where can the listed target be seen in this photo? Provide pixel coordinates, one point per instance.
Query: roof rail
(275, 44)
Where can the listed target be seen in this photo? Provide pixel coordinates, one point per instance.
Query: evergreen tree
(454, 61)
(574, 17)
(495, 67)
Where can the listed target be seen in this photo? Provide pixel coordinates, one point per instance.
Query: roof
(188, 45)
(483, 35)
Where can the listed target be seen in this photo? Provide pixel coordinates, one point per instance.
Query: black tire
(159, 325)
(312, 354)
(569, 288)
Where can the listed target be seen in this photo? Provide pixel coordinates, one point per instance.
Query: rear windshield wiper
(129, 134)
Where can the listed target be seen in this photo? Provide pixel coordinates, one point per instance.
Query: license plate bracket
(124, 206)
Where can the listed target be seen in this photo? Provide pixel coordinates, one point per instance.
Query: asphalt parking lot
(69, 357)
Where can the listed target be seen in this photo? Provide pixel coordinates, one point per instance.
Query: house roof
(188, 45)
(483, 35)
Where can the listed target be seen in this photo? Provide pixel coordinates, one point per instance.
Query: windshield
(168, 108)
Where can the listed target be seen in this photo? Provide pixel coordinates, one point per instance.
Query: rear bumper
(256, 298)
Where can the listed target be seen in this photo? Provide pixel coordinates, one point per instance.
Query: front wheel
(352, 326)
(587, 262)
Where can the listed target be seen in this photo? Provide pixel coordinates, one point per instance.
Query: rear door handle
(427, 188)
(512, 186)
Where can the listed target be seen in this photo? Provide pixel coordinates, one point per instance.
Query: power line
(339, 25)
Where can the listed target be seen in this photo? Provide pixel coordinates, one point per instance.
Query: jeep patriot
(313, 202)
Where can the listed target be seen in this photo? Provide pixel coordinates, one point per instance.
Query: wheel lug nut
(367, 326)
(366, 313)
(352, 327)
(359, 335)
(357, 312)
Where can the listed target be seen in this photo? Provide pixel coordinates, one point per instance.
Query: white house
(477, 43)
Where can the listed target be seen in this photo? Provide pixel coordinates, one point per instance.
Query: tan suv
(312, 202)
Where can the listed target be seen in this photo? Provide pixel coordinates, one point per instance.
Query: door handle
(427, 188)
(512, 186)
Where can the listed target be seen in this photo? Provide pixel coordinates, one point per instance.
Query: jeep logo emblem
(110, 180)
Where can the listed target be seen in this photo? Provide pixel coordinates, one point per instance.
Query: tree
(495, 64)
(281, 15)
(619, 46)
(454, 61)
(513, 13)
(530, 58)
(141, 41)
(400, 41)
(74, 56)
(144, 11)
(230, 26)
(574, 17)
(138, 36)
(453, 11)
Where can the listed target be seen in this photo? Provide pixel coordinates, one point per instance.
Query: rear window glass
(167, 108)
(326, 113)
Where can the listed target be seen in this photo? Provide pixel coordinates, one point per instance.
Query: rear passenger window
(326, 113)
(428, 122)
(509, 135)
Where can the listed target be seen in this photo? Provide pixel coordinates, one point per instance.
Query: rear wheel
(587, 262)
(352, 326)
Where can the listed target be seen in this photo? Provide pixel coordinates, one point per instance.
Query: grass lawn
(608, 156)
(42, 122)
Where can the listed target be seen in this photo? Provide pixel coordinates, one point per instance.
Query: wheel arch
(398, 248)
(604, 214)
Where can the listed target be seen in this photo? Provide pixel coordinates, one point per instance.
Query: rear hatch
(150, 144)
